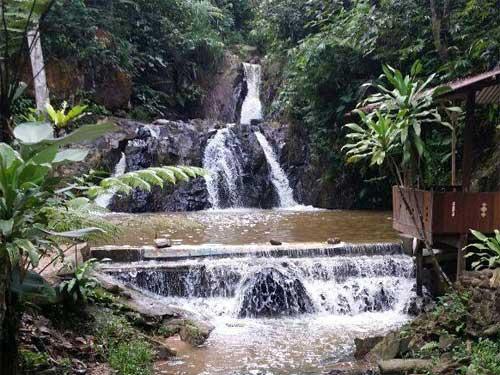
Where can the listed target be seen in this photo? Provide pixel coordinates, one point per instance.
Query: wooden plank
(468, 140)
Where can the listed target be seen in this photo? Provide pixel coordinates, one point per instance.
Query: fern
(145, 179)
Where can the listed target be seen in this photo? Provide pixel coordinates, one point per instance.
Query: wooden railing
(445, 213)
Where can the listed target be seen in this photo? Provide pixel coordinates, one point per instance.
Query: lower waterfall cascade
(322, 302)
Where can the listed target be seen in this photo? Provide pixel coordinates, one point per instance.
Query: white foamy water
(277, 174)
(353, 296)
(251, 108)
(221, 161)
(104, 200)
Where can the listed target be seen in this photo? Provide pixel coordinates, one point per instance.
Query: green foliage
(487, 250)
(60, 118)
(484, 357)
(133, 357)
(80, 288)
(125, 353)
(452, 310)
(32, 362)
(167, 47)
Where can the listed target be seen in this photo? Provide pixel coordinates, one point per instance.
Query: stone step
(183, 252)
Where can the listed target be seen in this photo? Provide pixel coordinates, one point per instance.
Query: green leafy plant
(134, 357)
(487, 250)
(60, 118)
(80, 288)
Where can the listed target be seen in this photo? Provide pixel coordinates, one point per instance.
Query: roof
(486, 85)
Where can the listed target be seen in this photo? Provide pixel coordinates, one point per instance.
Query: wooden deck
(444, 214)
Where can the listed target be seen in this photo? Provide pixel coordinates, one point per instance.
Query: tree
(392, 137)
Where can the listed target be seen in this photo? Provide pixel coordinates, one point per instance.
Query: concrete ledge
(119, 253)
(295, 250)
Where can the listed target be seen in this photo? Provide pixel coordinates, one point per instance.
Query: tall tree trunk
(440, 19)
(9, 323)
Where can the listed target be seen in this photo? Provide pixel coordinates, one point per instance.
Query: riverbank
(460, 335)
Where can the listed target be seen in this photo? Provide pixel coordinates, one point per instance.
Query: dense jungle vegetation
(161, 55)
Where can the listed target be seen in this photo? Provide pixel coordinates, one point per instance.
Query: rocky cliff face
(167, 142)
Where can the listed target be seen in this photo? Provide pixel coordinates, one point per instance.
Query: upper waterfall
(251, 108)
(277, 174)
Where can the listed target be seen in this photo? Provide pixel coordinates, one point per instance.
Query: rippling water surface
(244, 226)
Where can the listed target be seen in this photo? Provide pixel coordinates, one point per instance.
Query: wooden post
(468, 140)
(38, 69)
(462, 242)
(419, 264)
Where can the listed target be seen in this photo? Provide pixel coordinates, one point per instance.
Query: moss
(33, 362)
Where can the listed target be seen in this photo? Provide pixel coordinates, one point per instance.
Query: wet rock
(271, 292)
(275, 242)
(162, 242)
(163, 352)
(354, 368)
(118, 253)
(333, 241)
(193, 332)
(387, 348)
(447, 342)
(403, 366)
(365, 345)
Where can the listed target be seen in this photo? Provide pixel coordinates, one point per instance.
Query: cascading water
(222, 161)
(251, 108)
(277, 174)
(323, 302)
(104, 200)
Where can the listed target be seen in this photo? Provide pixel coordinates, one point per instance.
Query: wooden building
(450, 212)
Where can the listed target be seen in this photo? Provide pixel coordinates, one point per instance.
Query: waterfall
(251, 108)
(336, 285)
(222, 161)
(104, 200)
(278, 176)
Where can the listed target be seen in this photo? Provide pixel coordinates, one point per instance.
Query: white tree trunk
(38, 68)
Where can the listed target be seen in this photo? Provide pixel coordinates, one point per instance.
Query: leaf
(85, 133)
(32, 287)
(28, 247)
(6, 227)
(34, 132)
(79, 233)
(479, 235)
(7, 156)
(71, 155)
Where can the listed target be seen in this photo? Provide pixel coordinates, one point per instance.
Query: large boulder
(271, 292)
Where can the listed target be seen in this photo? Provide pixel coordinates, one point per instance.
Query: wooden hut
(450, 212)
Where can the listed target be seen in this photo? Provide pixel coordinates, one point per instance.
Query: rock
(275, 242)
(333, 241)
(194, 333)
(115, 90)
(493, 330)
(163, 352)
(353, 368)
(387, 348)
(365, 345)
(495, 279)
(447, 342)
(271, 292)
(162, 243)
(403, 366)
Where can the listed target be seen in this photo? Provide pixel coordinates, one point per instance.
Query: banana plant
(487, 249)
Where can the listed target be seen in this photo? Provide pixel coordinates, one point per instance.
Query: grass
(125, 353)
(131, 358)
